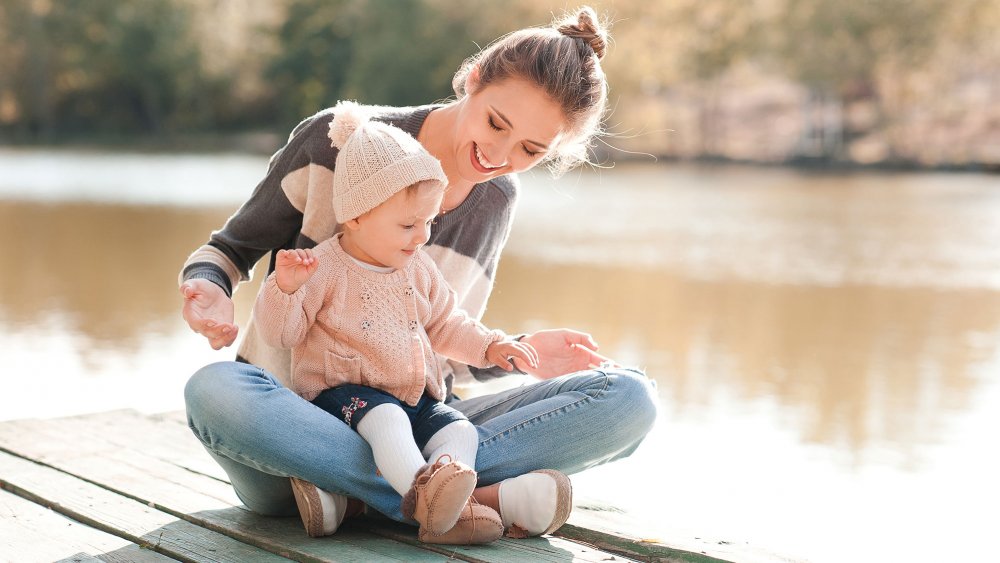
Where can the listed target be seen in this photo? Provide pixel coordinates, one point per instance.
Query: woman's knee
(204, 383)
(632, 397)
(209, 386)
(216, 395)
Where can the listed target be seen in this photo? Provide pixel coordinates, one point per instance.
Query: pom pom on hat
(347, 117)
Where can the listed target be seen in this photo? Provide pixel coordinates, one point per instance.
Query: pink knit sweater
(348, 324)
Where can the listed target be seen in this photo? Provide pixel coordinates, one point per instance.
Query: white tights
(387, 429)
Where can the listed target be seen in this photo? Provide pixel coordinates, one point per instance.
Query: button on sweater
(349, 324)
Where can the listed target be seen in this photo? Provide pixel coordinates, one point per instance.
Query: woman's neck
(437, 135)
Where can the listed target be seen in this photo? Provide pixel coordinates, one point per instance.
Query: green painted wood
(113, 437)
(104, 510)
(81, 558)
(129, 554)
(504, 550)
(162, 438)
(636, 549)
(156, 460)
(196, 498)
(134, 554)
(83, 447)
(30, 532)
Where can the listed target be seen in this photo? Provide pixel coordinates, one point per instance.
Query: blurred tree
(716, 36)
(315, 48)
(681, 46)
(106, 67)
(101, 65)
(839, 50)
(376, 51)
(27, 63)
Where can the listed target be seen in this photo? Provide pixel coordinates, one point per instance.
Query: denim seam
(564, 408)
(493, 405)
(239, 458)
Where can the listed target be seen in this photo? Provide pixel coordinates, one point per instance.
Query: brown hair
(564, 59)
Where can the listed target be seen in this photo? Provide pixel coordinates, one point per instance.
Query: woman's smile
(481, 163)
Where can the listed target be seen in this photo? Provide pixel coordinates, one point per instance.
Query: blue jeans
(261, 433)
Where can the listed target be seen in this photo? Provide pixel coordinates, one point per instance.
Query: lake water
(826, 346)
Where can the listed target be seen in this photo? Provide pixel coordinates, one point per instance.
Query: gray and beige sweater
(292, 208)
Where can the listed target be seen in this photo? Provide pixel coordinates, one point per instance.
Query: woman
(536, 95)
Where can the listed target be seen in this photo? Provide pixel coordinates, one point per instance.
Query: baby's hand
(502, 352)
(292, 268)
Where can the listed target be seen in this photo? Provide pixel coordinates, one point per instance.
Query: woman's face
(507, 126)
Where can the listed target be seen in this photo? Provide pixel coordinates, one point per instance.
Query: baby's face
(390, 234)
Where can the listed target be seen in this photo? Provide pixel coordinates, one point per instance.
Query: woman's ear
(472, 80)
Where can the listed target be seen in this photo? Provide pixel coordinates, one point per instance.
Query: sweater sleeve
(268, 220)
(284, 319)
(452, 332)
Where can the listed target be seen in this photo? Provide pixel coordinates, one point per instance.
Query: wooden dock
(124, 486)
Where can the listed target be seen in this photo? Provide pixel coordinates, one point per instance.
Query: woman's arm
(271, 218)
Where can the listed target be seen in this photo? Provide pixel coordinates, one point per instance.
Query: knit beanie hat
(376, 160)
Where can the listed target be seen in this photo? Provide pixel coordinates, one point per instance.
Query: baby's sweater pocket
(342, 369)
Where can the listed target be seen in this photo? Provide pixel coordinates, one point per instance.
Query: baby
(364, 314)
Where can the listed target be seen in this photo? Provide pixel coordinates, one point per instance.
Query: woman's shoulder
(497, 194)
(409, 118)
(508, 184)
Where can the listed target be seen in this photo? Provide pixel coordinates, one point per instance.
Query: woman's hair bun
(347, 117)
(587, 28)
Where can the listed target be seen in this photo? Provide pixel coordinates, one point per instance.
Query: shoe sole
(486, 527)
(310, 507)
(564, 498)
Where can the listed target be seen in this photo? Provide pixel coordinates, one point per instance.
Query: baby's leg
(458, 439)
(387, 429)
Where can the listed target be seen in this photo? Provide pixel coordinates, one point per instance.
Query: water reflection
(858, 366)
(89, 310)
(108, 272)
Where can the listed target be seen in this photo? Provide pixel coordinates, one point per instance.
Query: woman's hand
(502, 352)
(561, 351)
(292, 268)
(209, 312)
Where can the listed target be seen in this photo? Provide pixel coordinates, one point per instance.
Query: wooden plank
(180, 417)
(352, 542)
(151, 459)
(504, 550)
(113, 435)
(83, 447)
(30, 532)
(102, 509)
(199, 499)
(129, 554)
(161, 437)
(594, 529)
(82, 558)
(638, 549)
